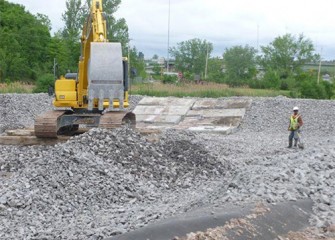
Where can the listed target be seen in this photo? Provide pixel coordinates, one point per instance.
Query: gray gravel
(104, 183)
(19, 110)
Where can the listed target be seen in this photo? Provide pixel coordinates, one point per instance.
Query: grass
(208, 90)
(16, 87)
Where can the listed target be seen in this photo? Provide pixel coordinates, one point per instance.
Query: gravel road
(105, 183)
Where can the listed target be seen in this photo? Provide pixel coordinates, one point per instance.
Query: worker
(294, 127)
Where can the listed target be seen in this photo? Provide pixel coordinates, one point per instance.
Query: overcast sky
(225, 23)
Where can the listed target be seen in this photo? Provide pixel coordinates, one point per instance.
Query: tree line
(28, 49)
(279, 65)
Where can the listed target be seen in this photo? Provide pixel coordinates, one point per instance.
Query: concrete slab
(158, 119)
(192, 121)
(221, 104)
(212, 129)
(200, 115)
(148, 110)
(156, 101)
(218, 113)
(161, 110)
(155, 127)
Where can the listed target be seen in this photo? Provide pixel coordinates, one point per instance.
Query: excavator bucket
(105, 75)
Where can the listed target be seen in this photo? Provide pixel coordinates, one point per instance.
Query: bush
(169, 79)
(44, 83)
(329, 88)
(310, 89)
(271, 80)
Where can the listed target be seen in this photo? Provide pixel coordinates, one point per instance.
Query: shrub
(310, 89)
(329, 88)
(44, 83)
(170, 79)
(271, 79)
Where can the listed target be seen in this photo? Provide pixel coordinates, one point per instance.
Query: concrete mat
(254, 222)
(159, 119)
(221, 104)
(238, 112)
(170, 101)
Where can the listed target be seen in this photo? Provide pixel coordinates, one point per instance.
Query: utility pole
(129, 79)
(55, 68)
(319, 73)
(206, 68)
(129, 58)
(168, 53)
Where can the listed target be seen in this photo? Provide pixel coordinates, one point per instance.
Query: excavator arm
(102, 78)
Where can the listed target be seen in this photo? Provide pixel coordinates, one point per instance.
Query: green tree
(117, 29)
(136, 64)
(12, 62)
(215, 70)
(309, 87)
(287, 54)
(23, 43)
(44, 20)
(73, 18)
(240, 64)
(59, 50)
(44, 82)
(156, 69)
(190, 56)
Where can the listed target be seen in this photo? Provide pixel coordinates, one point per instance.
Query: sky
(224, 23)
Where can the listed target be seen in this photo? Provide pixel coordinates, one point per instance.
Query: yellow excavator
(97, 95)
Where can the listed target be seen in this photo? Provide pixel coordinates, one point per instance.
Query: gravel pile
(271, 115)
(265, 170)
(19, 110)
(286, 177)
(51, 191)
(105, 183)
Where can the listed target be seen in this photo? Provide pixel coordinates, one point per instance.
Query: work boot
(295, 143)
(289, 144)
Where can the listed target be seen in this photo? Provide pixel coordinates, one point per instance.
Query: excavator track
(112, 120)
(46, 125)
(49, 125)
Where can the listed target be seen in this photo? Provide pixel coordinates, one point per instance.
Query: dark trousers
(293, 135)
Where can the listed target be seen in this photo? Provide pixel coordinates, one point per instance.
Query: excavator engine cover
(105, 75)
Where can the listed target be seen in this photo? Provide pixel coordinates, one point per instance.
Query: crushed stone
(105, 183)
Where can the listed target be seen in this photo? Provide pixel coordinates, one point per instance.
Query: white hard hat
(295, 109)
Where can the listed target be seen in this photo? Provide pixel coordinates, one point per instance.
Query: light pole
(168, 47)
